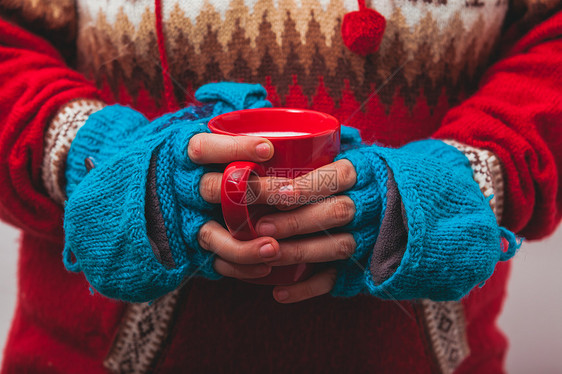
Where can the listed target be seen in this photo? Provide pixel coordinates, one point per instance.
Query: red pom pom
(362, 30)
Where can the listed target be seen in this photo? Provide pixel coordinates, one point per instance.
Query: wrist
(488, 173)
(60, 133)
(105, 133)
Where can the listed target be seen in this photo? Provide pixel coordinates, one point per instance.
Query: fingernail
(263, 150)
(282, 295)
(267, 229)
(267, 250)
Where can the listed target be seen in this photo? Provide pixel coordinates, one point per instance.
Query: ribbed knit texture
(105, 222)
(108, 132)
(454, 241)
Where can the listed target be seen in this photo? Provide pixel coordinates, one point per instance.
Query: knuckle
(210, 187)
(345, 247)
(308, 290)
(293, 224)
(343, 210)
(195, 147)
(346, 173)
(204, 236)
(238, 149)
(299, 255)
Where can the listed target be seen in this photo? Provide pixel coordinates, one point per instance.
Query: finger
(230, 269)
(318, 284)
(205, 148)
(325, 181)
(332, 212)
(321, 248)
(215, 238)
(210, 187)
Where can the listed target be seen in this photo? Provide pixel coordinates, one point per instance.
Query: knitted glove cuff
(60, 133)
(230, 96)
(104, 134)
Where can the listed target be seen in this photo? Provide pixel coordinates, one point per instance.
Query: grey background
(531, 316)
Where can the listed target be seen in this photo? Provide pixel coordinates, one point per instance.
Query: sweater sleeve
(35, 84)
(517, 115)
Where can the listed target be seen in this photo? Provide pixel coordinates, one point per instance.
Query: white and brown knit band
(488, 173)
(61, 131)
(141, 335)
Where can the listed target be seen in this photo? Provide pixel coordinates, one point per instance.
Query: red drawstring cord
(170, 103)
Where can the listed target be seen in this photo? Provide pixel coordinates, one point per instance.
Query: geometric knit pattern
(430, 56)
(445, 328)
(141, 334)
(61, 131)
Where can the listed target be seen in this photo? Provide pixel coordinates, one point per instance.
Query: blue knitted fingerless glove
(131, 223)
(452, 240)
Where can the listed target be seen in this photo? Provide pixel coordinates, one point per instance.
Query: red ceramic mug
(303, 140)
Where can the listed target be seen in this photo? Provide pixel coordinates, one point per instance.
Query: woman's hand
(253, 259)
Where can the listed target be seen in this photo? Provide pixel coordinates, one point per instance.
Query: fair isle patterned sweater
(153, 55)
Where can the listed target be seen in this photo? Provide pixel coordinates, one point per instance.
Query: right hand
(234, 258)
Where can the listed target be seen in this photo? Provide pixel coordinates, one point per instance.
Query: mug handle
(235, 196)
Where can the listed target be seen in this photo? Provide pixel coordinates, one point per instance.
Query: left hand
(325, 212)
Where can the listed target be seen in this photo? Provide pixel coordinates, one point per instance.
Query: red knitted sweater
(226, 326)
